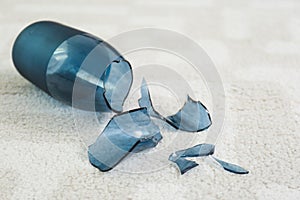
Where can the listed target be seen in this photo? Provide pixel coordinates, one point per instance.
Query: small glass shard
(131, 131)
(145, 101)
(199, 150)
(231, 167)
(192, 117)
(183, 165)
(117, 81)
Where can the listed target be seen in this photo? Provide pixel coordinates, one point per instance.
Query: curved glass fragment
(192, 117)
(131, 131)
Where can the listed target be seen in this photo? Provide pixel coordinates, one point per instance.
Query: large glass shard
(117, 81)
(192, 117)
(231, 167)
(131, 131)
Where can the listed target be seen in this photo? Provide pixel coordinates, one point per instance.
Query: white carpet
(256, 48)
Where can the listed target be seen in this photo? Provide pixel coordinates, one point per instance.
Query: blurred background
(255, 46)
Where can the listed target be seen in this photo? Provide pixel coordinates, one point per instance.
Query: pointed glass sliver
(231, 167)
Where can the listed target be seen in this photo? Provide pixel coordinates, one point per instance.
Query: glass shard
(192, 117)
(145, 101)
(131, 131)
(183, 165)
(197, 151)
(201, 150)
(231, 167)
(117, 82)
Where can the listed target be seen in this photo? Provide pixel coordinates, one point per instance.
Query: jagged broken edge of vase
(117, 81)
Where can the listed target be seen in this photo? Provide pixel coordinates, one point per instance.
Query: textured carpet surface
(256, 48)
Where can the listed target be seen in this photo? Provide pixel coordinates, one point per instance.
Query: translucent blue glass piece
(184, 165)
(199, 150)
(117, 81)
(231, 167)
(145, 101)
(131, 131)
(192, 117)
